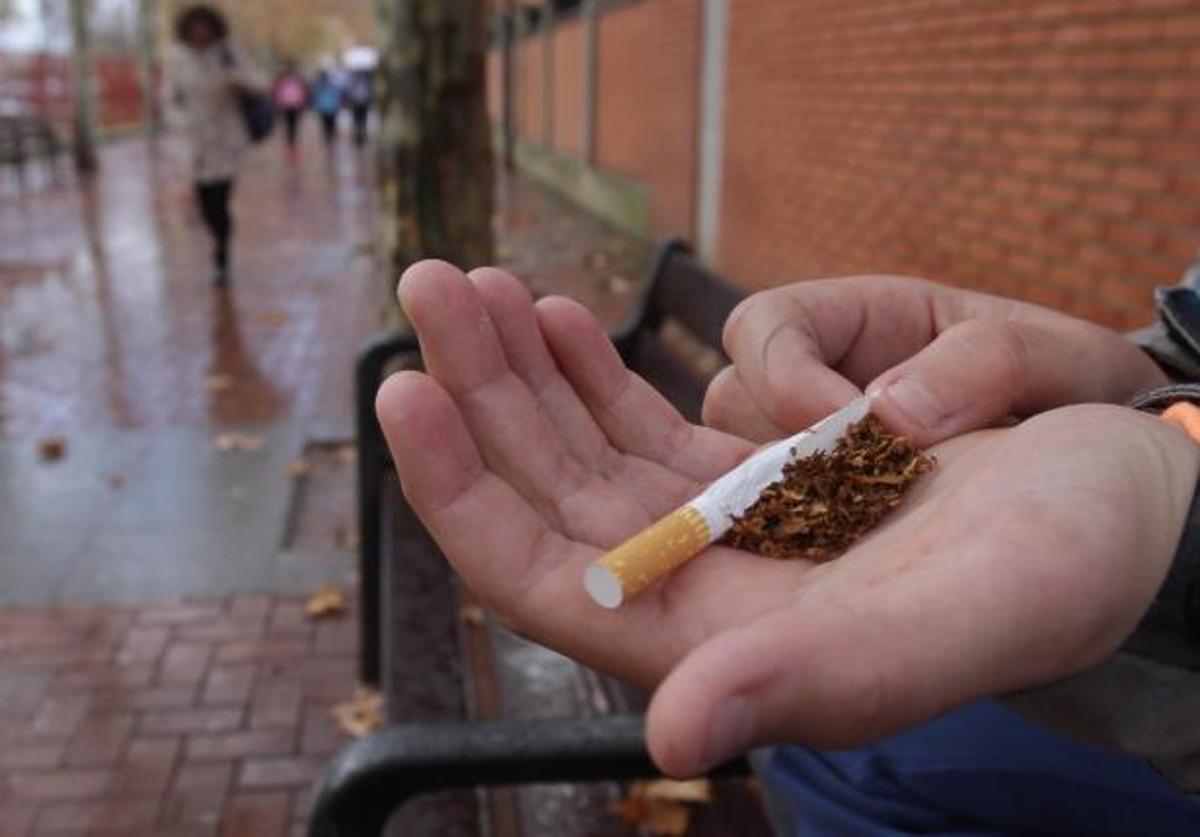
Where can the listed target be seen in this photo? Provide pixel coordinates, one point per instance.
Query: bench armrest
(372, 777)
(373, 359)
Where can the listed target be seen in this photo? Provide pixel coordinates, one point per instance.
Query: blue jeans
(980, 770)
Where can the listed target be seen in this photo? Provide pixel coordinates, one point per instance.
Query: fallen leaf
(472, 614)
(347, 454)
(361, 713)
(345, 537)
(52, 448)
(597, 259)
(661, 806)
(620, 284)
(655, 816)
(227, 442)
(217, 383)
(297, 468)
(698, 791)
(328, 601)
(271, 318)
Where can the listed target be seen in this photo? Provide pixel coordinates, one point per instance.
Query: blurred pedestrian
(327, 101)
(208, 77)
(291, 95)
(359, 94)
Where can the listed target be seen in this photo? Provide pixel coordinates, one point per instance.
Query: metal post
(548, 74)
(590, 23)
(711, 126)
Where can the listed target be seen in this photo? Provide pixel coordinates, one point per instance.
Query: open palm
(528, 449)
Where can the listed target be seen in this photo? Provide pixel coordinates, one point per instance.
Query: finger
(471, 513)
(510, 307)
(462, 350)
(981, 370)
(635, 418)
(730, 406)
(805, 350)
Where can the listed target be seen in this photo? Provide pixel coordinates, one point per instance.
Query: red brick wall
(647, 88)
(1049, 150)
(528, 60)
(568, 87)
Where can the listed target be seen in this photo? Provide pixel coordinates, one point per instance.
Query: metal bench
(26, 138)
(410, 609)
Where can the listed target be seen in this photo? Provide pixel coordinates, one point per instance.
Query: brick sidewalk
(181, 717)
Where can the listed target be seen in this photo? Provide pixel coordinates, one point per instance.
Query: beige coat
(201, 94)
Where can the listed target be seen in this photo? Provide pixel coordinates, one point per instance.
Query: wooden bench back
(679, 361)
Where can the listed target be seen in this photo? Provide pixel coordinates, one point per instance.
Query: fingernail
(729, 734)
(914, 401)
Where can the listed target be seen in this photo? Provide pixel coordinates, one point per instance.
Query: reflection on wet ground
(107, 318)
(112, 338)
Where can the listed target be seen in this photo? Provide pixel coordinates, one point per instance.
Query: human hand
(528, 450)
(944, 360)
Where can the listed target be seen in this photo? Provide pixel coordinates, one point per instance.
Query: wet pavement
(113, 340)
(108, 318)
(175, 474)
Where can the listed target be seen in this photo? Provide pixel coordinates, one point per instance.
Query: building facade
(1042, 149)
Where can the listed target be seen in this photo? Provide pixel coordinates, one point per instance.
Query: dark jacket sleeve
(1145, 699)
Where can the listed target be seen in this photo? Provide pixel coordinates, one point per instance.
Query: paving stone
(241, 744)
(262, 814)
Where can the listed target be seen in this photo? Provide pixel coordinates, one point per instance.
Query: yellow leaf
(328, 601)
(361, 713)
(297, 468)
(217, 382)
(472, 614)
(227, 442)
(698, 791)
(655, 816)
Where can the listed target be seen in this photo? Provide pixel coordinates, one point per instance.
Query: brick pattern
(648, 70)
(193, 717)
(527, 60)
(567, 127)
(1049, 151)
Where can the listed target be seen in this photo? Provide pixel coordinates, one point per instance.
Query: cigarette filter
(672, 541)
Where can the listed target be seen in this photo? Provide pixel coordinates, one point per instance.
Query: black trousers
(213, 197)
(291, 122)
(329, 123)
(360, 122)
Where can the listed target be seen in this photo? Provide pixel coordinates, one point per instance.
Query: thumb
(802, 674)
(980, 371)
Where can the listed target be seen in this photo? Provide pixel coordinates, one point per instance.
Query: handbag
(257, 109)
(258, 114)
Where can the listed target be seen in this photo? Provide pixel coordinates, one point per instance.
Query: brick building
(1044, 149)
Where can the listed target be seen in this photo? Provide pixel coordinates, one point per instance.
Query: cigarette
(669, 543)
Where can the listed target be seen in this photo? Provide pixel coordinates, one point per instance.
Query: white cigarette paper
(683, 534)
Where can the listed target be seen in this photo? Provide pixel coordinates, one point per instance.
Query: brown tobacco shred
(828, 500)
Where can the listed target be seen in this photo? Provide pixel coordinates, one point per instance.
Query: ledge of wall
(623, 203)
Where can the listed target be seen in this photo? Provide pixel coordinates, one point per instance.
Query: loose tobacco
(828, 500)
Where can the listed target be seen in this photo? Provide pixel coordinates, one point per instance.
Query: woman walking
(208, 74)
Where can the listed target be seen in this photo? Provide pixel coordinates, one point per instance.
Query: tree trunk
(435, 150)
(83, 135)
(148, 66)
